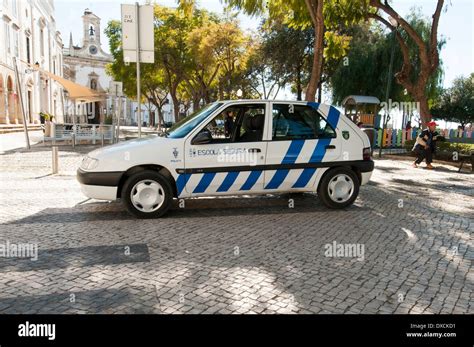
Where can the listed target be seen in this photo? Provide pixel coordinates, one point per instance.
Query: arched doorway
(12, 102)
(94, 109)
(3, 107)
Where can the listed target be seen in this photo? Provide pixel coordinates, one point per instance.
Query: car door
(303, 136)
(232, 161)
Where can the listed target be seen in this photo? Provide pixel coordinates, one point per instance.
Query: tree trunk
(424, 108)
(320, 93)
(221, 91)
(428, 54)
(160, 116)
(299, 89)
(316, 10)
(196, 99)
(151, 115)
(175, 106)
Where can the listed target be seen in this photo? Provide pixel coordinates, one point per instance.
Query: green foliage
(295, 14)
(288, 54)
(365, 70)
(422, 25)
(198, 57)
(408, 145)
(46, 116)
(444, 146)
(456, 104)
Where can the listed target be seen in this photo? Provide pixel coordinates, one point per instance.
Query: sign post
(138, 42)
(116, 90)
(139, 87)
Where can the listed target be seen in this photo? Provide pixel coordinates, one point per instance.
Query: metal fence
(77, 133)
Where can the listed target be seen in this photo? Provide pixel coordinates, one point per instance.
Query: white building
(86, 64)
(28, 32)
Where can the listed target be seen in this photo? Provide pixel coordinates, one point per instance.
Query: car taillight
(366, 153)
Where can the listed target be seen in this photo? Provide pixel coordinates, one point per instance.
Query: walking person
(425, 145)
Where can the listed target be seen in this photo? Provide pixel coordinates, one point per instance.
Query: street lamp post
(386, 116)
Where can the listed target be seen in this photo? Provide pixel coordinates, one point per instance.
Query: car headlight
(89, 163)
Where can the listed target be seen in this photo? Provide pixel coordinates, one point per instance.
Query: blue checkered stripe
(279, 176)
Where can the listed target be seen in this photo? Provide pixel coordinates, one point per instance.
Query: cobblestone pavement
(237, 255)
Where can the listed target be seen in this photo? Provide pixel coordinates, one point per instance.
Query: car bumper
(99, 192)
(99, 185)
(93, 178)
(364, 166)
(365, 177)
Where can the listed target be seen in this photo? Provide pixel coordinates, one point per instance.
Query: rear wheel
(147, 194)
(339, 188)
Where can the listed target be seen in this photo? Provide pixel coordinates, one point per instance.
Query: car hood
(127, 146)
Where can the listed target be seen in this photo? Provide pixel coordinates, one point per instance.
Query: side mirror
(202, 138)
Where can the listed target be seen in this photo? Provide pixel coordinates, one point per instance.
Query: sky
(456, 25)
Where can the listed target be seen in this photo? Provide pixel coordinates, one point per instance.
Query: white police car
(234, 148)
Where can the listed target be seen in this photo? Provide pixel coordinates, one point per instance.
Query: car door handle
(330, 147)
(254, 150)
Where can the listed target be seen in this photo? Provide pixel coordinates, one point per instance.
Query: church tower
(86, 65)
(91, 32)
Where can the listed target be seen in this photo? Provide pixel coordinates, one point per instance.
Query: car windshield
(183, 127)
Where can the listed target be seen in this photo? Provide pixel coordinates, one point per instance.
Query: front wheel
(339, 188)
(147, 194)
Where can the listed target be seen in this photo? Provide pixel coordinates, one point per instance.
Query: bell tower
(91, 31)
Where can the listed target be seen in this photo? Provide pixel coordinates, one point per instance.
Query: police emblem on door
(175, 152)
(345, 135)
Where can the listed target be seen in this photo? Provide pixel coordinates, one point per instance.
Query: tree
(456, 104)
(321, 15)
(264, 81)
(202, 79)
(154, 87)
(288, 53)
(230, 47)
(171, 51)
(155, 90)
(219, 52)
(427, 61)
(364, 70)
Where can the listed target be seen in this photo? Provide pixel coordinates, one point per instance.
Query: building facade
(86, 65)
(28, 33)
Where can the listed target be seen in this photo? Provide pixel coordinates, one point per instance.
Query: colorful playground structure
(393, 138)
(365, 109)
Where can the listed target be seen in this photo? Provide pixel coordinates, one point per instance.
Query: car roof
(264, 100)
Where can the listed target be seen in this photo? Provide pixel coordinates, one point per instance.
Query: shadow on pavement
(281, 253)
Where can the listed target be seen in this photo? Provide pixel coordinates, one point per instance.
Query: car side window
(221, 127)
(242, 123)
(250, 124)
(299, 122)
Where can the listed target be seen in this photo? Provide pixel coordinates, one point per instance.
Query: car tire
(339, 188)
(147, 194)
